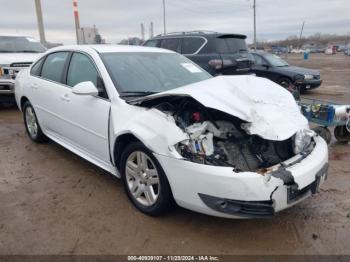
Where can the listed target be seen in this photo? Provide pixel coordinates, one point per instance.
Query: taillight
(216, 63)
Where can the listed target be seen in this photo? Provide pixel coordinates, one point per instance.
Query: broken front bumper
(219, 191)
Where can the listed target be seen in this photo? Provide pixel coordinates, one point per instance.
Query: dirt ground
(53, 202)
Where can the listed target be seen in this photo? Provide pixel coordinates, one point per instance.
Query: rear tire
(32, 125)
(342, 134)
(145, 181)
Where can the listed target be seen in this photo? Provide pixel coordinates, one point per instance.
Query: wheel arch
(23, 100)
(120, 143)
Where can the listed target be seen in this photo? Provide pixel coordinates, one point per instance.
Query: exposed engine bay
(220, 139)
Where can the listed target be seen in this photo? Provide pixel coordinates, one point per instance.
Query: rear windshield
(20, 44)
(231, 45)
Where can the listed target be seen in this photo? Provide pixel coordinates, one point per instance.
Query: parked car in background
(278, 70)
(229, 146)
(347, 52)
(217, 53)
(297, 51)
(331, 50)
(16, 53)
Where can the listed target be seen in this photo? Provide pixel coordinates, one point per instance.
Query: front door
(86, 117)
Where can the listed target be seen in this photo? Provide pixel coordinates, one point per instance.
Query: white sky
(117, 19)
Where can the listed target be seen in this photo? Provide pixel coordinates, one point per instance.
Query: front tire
(32, 125)
(285, 82)
(145, 181)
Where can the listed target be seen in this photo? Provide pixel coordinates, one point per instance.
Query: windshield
(275, 60)
(145, 73)
(20, 44)
(231, 45)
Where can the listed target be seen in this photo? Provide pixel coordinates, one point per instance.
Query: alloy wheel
(31, 122)
(142, 178)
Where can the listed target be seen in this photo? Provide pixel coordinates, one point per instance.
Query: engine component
(216, 138)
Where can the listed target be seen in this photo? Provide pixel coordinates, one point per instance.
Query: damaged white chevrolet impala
(229, 146)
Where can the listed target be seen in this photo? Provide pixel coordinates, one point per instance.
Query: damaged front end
(219, 139)
(245, 155)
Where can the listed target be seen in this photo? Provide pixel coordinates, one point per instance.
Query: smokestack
(39, 16)
(76, 18)
(151, 32)
(142, 32)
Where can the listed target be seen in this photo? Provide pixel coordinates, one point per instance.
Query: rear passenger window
(81, 69)
(191, 45)
(54, 65)
(171, 44)
(36, 68)
(151, 43)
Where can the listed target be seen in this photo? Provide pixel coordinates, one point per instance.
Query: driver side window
(82, 69)
(258, 60)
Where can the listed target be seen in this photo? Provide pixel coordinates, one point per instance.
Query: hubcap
(32, 126)
(142, 178)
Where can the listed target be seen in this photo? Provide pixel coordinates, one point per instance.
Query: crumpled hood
(269, 109)
(9, 58)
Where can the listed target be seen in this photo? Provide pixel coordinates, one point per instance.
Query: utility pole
(301, 33)
(39, 16)
(151, 31)
(254, 7)
(164, 18)
(76, 18)
(142, 32)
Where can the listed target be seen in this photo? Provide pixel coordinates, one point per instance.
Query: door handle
(34, 86)
(65, 98)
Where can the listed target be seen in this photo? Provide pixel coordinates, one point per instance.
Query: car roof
(109, 48)
(259, 52)
(200, 34)
(16, 35)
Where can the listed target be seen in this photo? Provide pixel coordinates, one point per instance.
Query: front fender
(156, 130)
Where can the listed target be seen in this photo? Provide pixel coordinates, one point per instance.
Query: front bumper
(255, 192)
(310, 84)
(7, 87)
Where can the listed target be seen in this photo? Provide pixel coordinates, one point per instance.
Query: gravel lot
(53, 202)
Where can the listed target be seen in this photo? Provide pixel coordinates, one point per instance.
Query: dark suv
(217, 53)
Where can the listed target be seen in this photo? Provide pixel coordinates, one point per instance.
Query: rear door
(47, 91)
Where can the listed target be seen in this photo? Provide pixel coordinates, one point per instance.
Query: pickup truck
(16, 52)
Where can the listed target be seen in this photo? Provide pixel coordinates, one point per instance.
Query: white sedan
(229, 146)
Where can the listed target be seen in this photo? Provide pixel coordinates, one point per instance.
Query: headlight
(308, 77)
(302, 140)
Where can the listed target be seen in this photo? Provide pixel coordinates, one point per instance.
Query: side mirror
(85, 89)
(266, 66)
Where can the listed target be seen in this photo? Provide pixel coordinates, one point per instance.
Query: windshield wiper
(136, 93)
